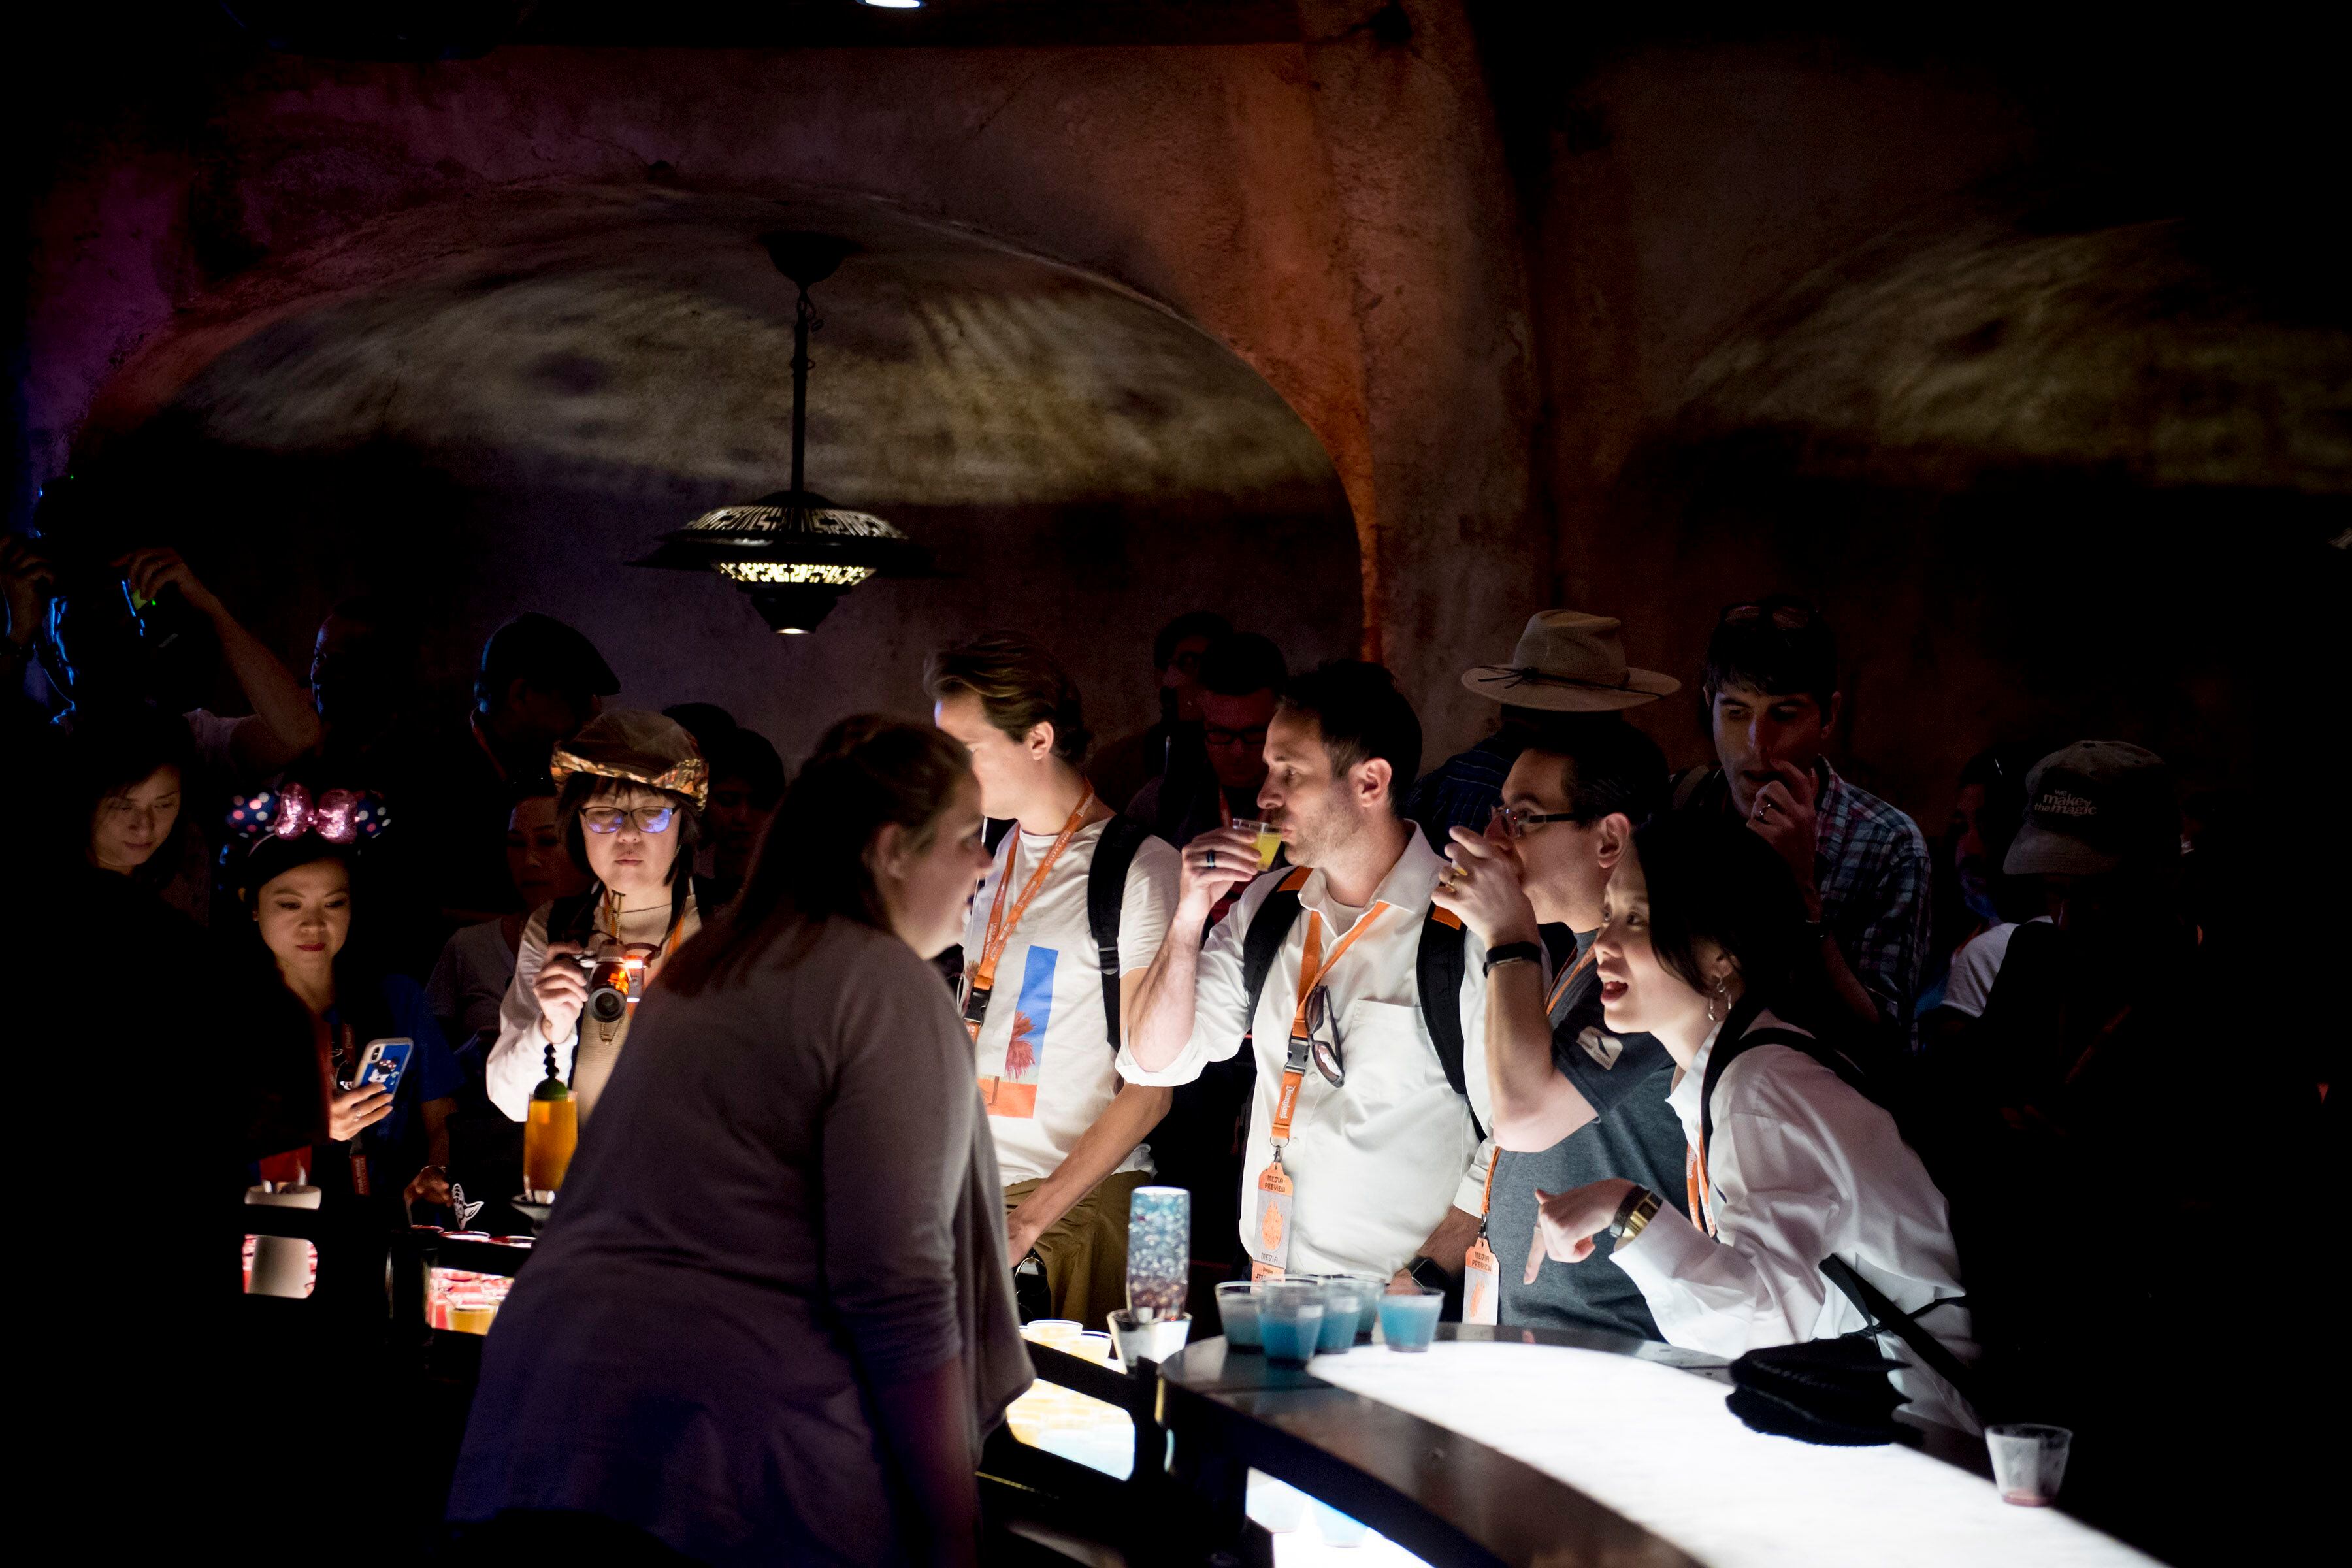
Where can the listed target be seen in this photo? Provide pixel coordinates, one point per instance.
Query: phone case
(383, 1063)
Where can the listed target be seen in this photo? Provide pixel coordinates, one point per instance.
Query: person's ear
(1831, 716)
(1611, 835)
(1373, 777)
(518, 692)
(886, 857)
(1039, 741)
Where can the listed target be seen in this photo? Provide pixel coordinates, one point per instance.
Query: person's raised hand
(150, 572)
(562, 987)
(26, 580)
(1567, 1222)
(429, 1185)
(1783, 817)
(350, 1111)
(1483, 888)
(1212, 863)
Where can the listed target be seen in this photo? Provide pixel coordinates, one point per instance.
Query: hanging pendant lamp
(794, 552)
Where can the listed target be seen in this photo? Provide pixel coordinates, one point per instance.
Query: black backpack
(1437, 969)
(1105, 899)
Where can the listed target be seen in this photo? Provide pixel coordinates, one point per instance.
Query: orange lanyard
(1560, 987)
(668, 942)
(1001, 926)
(1312, 967)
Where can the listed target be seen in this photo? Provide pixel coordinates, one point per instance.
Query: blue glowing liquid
(1338, 1324)
(1241, 1324)
(1290, 1344)
(1409, 1322)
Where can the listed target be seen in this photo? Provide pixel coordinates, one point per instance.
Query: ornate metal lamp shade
(794, 552)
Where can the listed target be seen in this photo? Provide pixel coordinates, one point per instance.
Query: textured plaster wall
(1335, 213)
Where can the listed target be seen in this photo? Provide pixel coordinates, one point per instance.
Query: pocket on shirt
(1388, 1058)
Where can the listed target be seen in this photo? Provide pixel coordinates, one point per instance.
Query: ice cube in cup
(2029, 1461)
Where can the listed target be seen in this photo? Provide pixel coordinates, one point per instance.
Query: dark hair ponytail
(867, 772)
(1712, 879)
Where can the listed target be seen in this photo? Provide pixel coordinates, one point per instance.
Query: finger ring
(1213, 859)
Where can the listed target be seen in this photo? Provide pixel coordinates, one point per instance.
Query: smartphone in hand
(381, 1063)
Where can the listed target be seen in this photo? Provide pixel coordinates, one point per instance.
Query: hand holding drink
(1269, 841)
(1216, 861)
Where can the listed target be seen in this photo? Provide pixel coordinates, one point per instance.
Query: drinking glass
(1290, 1319)
(1238, 1305)
(1269, 842)
(1409, 1317)
(1342, 1307)
(1159, 1251)
(2028, 1461)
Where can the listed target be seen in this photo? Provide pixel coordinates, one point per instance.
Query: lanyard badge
(981, 982)
(1482, 1297)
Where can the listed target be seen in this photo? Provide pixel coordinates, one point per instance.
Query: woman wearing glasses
(632, 787)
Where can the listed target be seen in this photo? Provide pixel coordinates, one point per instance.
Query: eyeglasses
(608, 818)
(1325, 1051)
(1218, 735)
(1516, 821)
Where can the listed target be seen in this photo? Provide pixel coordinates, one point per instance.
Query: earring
(1720, 994)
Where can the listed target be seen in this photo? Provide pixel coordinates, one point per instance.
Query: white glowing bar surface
(1658, 1446)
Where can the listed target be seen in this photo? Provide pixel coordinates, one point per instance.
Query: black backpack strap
(1437, 967)
(1737, 1039)
(1106, 898)
(1889, 1318)
(1262, 941)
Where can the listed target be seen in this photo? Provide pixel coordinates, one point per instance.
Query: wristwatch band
(1514, 953)
(1429, 1272)
(1639, 1206)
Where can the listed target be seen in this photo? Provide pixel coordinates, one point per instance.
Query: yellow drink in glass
(1269, 842)
(550, 1133)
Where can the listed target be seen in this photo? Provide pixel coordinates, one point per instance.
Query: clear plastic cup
(1409, 1317)
(1339, 1313)
(2028, 1461)
(1269, 842)
(1290, 1319)
(1238, 1306)
(1062, 1334)
(1369, 1288)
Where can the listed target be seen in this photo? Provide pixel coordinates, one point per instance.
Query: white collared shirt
(1801, 1167)
(1377, 1163)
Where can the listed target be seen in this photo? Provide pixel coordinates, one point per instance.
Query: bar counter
(1517, 1448)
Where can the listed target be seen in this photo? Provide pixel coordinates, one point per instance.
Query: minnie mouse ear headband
(643, 748)
(339, 816)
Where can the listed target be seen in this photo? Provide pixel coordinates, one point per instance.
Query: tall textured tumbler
(1159, 1251)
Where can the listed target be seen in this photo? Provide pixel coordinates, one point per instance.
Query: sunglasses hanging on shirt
(1323, 1038)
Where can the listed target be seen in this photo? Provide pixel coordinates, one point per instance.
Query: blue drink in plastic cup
(1409, 1317)
(1238, 1305)
(1290, 1321)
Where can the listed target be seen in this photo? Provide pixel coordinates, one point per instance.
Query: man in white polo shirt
(1038, 976)
(1362, 1154)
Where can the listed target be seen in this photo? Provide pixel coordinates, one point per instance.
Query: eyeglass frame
(1209, 734)
(1325, 1055)
(1521, 822)
(634, 815)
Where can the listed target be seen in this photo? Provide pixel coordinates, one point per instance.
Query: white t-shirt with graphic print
(1044, 1062)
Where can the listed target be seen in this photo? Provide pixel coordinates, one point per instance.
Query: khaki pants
(1085, 1251)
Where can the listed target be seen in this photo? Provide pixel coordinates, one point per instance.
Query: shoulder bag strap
(1264, 939)
(1437, 964)
(1904, 1326)
(1105, 900)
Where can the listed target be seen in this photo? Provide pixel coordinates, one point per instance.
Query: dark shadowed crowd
(1562, 1036)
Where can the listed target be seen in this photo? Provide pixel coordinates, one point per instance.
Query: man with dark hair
(1566, 662)
(1049, 991)
(1241, 678)
(1573, 1103)
(1123, 767)
(747, 783)
(1773, 702)
(539, 683)
(1364, 1150)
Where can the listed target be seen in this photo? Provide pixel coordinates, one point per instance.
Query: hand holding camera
(562, 988)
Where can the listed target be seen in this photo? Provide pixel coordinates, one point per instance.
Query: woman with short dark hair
(1704, 944)
(770, 1321)
(631, 790)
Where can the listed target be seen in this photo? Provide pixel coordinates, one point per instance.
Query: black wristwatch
(1531, 951)
(1429, 1272)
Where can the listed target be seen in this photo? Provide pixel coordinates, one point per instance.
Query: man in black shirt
(1572, 1102)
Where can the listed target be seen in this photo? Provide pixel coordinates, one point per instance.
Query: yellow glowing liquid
(1269, 845)
(548, 1135)
(472, 1320)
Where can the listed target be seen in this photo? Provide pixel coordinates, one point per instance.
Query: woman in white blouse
(631, 789)
(1705, 944)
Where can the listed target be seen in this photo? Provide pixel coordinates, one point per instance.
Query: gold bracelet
(1645, 1207)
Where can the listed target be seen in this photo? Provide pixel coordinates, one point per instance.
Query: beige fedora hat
(1569, 662)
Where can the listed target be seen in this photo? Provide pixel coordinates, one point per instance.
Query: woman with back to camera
(770, 1320)
(631, 787)
(1704, 944)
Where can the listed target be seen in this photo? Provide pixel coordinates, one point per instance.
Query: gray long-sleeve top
(788, 1195)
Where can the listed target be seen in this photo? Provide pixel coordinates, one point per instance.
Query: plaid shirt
(1870, 864)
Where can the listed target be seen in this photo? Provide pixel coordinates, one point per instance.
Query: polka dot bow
(339, 816)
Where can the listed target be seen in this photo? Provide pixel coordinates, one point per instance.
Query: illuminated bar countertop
(1508, 1447)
